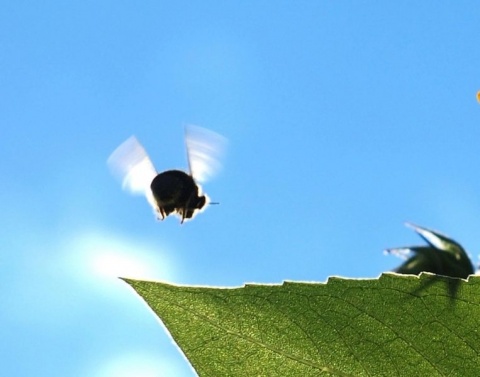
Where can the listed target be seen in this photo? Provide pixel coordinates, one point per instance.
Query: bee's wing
(131, 164)
(204, 151)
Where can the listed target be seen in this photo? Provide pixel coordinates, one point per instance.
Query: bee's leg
(189, 209)
(162, 213)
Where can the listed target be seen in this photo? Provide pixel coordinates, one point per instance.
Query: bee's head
(201, 202)
(195, 204)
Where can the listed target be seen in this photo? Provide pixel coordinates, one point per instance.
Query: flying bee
(172, 191)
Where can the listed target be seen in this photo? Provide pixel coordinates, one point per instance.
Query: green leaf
(396, 325)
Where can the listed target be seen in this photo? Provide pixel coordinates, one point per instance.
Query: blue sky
(344, 120)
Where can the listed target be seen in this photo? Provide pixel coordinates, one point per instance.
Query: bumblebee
(172, 191)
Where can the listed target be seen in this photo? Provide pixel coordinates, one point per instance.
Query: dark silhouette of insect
(172, 191)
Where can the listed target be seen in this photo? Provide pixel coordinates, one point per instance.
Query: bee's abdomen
(173, 187)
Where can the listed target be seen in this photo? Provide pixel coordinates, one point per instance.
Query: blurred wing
(205, 149)
(131, 164)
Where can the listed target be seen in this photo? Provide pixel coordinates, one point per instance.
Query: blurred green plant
(442, 256)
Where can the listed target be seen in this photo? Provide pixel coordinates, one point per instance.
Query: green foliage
(442, 256)
(396, 325)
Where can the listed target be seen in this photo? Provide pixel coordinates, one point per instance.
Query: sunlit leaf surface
(392, 326)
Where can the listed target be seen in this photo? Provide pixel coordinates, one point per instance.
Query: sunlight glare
(109, 256)
(138, 365)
